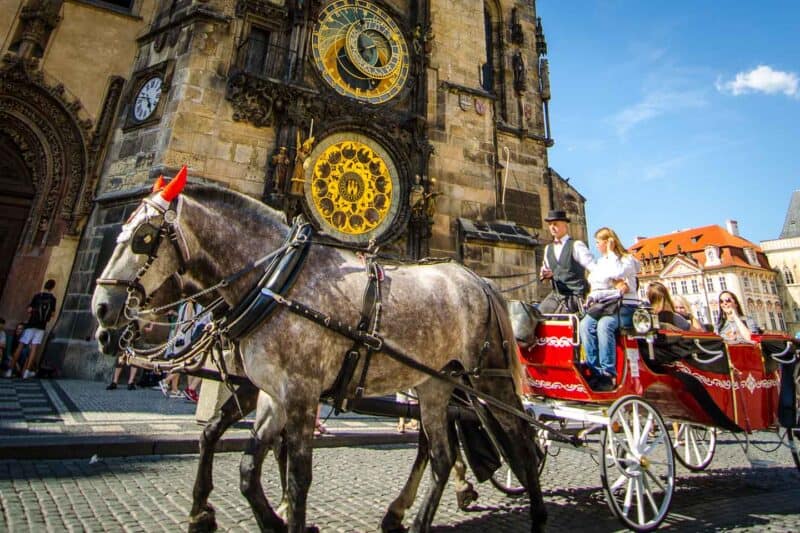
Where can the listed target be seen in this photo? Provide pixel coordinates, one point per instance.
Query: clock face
(354, 186)
(147, 99)
(360, 51)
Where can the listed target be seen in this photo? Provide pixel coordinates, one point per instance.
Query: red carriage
(692, 379)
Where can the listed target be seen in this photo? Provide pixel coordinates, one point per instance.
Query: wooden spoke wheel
(694, 446)
(637, 467)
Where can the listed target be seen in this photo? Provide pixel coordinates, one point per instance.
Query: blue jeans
(599, 339)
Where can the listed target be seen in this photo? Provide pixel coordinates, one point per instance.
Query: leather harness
(231, 324)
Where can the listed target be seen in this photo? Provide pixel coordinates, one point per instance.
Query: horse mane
(247, 208)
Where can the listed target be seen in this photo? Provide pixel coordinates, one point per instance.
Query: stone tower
(420, 127)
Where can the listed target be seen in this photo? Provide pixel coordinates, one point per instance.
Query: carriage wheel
(504, 479)
(638, 468)
(694, 446)
(794, 433)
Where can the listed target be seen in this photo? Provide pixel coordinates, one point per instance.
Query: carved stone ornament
(52, 138)
(270, 10)
(37, 20)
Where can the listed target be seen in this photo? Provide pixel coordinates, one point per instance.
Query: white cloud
(656, 104)
(762, 79)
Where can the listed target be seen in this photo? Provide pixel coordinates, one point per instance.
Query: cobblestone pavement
(68, 407)
(352, 487)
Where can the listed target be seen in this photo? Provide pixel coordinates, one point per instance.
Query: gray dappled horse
(202, 515)
(439, 314)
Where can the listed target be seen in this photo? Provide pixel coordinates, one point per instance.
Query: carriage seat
(706, 352)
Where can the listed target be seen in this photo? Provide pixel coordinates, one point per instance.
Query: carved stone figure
(518, 64)
(301, 162)
(416, 199)
(281, 163)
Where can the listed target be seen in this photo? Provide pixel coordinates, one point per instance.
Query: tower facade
(419, 127)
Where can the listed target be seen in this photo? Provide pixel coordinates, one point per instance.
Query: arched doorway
(16, 197)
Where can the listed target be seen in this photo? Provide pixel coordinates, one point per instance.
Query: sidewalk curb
(82, 446)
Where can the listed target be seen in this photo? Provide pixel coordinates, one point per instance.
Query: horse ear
(174, 187)
(159, 184)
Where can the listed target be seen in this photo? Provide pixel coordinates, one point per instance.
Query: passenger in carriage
(683, 308)
(565, 263)
(613, 274)
(733, 326)
(658, 296)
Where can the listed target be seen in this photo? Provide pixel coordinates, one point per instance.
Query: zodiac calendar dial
(353, 188)
(360, 51)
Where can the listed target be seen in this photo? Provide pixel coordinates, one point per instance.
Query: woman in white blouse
(612, 276)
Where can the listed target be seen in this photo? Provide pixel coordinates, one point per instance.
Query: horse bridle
(146, 239)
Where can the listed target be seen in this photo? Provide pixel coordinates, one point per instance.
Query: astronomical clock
(354, 187)
(359, 91)
(360, 51)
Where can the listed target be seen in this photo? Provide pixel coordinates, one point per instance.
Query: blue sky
(671, 115)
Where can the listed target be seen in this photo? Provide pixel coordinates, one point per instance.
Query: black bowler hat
(556, 214)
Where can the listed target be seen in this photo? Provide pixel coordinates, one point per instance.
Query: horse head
(148, 253)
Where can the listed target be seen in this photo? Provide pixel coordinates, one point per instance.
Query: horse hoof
(392, 523)
(466, 498)
(204, 522)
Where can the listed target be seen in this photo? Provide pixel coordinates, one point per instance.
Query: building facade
(421, 126)
(699, 263)
(784, 256)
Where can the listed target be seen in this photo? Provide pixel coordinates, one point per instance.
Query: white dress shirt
(580, 253)
(609, 269)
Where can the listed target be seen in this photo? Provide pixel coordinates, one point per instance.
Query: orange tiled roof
(694, 241)
(690, 240)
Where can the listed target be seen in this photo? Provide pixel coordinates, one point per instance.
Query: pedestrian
(565, 263)
(118, 371)
(40, 311)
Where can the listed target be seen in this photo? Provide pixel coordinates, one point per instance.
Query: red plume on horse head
(159, 184)
(174, 187)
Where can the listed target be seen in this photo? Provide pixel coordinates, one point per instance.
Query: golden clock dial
(353, 187)
(360, 51)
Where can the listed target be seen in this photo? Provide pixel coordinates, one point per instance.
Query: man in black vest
(565, 263)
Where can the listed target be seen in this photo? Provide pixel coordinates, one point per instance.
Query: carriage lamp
(642, 321)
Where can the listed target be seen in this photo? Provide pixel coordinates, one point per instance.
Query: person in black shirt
(40, 311)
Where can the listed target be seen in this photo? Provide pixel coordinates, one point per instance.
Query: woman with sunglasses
(733, 326)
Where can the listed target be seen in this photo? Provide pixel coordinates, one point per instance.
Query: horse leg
(465, 492)
(201, 517)
(433, 406)
(393, 519)
(301, 418)
(524, 462)
(268, 424)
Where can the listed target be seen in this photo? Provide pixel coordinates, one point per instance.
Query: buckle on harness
(373, 342)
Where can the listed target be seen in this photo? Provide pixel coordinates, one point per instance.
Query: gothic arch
(52, 140)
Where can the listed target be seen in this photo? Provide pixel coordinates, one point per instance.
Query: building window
(262, 55)
(774, 287)
(723, 285)
(684, 289)
(782, 321)
(788, 276)
(695, 287)
(673, 287)
(772, 321)
(764, 286)
(750, 254)
(746, 281)
(710, 284)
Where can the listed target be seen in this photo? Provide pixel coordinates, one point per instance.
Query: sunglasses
(726, 300)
